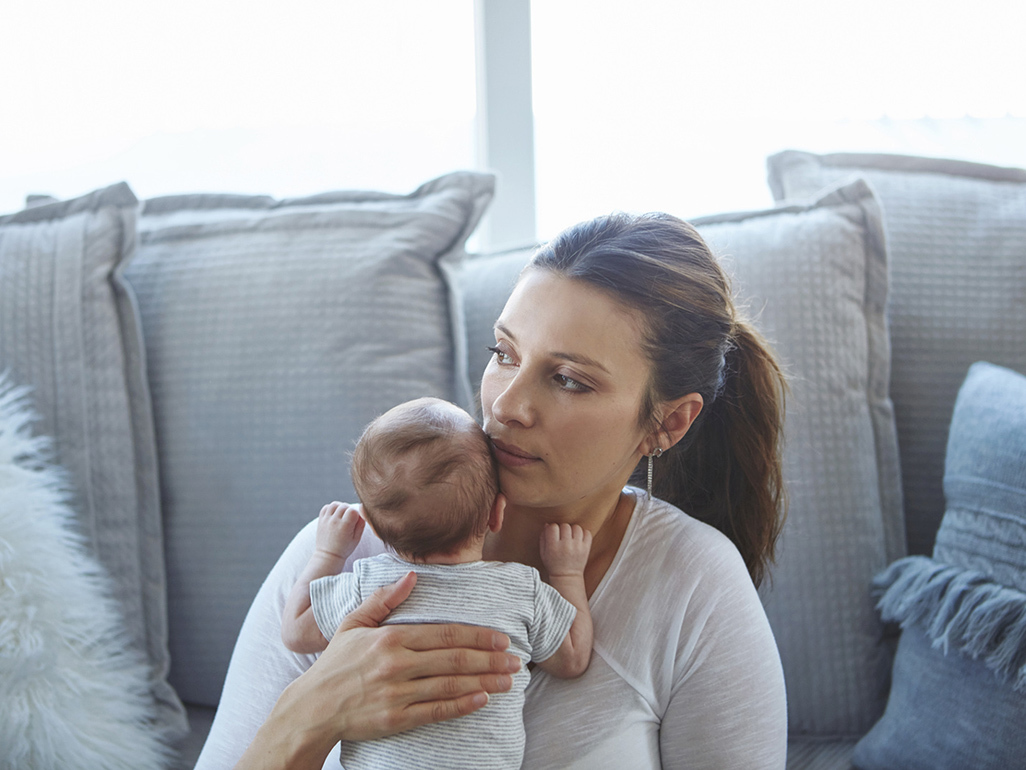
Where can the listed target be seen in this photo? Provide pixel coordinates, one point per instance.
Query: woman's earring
(657, 452)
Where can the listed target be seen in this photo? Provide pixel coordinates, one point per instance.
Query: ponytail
(727, 470)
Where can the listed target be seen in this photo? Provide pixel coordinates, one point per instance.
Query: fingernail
(480, 699)
(500, 642)
(514, 663)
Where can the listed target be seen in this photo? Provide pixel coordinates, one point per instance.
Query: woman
(618, 355)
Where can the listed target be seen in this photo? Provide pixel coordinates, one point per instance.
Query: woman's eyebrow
(576, 358)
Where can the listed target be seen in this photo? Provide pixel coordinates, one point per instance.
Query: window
(665, 105)
(233, 96)
(641, 105)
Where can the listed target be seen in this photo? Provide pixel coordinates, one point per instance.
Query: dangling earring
(657, 452)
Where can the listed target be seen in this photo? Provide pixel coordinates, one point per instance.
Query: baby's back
(508, 597)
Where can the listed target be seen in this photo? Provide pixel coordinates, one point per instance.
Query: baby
(427, 480)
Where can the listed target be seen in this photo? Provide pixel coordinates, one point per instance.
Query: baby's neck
(464, 555)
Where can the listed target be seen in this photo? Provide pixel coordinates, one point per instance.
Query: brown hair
(726, 471)
(416, 449)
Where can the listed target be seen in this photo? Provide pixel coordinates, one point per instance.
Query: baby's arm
(339, 527)
(564, 552)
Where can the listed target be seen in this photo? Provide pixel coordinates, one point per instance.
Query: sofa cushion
(957, 241)
(960, 671)
(69, 329)
(275, 331)
(815, 278)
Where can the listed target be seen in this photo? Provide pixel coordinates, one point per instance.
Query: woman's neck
(518, 540)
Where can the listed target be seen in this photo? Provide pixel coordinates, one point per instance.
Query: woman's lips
(511, 455)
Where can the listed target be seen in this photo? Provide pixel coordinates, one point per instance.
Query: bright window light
(675, 105)
(641, 105)
(229, 96)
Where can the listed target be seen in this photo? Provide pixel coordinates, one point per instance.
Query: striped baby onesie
(506, 596)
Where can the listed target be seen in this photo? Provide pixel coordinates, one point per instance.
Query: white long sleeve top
(685, 671)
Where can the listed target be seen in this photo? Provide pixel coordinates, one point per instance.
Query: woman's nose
(514, 403)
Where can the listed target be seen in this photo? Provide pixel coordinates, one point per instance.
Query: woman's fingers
(460, 662)
(446, 688)
(424, 713)
(439, 636)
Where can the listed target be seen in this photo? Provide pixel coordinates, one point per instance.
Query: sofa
(181, 379)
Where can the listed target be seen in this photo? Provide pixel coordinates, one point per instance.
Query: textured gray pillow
(275, 331)
(957, 241)
(69, 329)
(815, 277)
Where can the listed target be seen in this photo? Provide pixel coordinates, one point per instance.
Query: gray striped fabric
(70, 330)
(509, 597)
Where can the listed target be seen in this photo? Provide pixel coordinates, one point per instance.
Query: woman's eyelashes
(570, 384)
(564, 382)
(501, 356)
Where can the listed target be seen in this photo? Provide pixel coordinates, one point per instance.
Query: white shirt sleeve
(728, 706)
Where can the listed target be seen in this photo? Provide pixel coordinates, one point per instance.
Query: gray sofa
(204, 362)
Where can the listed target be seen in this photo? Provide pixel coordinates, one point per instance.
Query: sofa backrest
(275, 331)
(956, 235)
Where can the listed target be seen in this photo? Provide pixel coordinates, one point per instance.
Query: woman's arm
(262, 669)
(729, 707)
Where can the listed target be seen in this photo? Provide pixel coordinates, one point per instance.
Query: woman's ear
(674, 419)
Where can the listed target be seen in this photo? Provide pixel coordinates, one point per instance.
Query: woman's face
(562, 392)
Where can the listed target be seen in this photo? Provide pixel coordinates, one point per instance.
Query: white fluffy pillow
(73, 692)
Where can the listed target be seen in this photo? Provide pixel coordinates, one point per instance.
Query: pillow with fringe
(74, 692)
(958, 693)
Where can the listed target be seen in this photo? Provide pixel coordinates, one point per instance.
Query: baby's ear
(497, 513)
(360, 512)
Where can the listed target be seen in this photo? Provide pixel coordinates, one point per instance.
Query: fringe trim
(960, 610)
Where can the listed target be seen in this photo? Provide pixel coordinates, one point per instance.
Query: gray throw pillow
(956, 234)
(69, 329)
(275, 331)
(958, 697)
(815, 278)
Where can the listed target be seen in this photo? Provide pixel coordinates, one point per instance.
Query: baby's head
(426, 477)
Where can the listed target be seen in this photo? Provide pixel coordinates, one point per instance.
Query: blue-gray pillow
(958, 696)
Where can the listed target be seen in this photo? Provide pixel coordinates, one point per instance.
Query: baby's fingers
(334, 508)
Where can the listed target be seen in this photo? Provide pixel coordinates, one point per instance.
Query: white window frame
(505, 121)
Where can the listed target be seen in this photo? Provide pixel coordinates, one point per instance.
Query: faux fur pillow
(73, 692)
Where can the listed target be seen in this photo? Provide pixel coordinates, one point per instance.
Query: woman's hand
(371, 682)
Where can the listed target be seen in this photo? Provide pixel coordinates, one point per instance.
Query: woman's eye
(500, 356)
(568, 383)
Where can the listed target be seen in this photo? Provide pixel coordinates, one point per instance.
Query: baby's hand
(564, 549)
(339, 528)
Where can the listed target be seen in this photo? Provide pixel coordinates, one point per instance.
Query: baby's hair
(416, 449)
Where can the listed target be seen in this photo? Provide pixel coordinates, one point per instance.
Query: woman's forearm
(290, 739)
